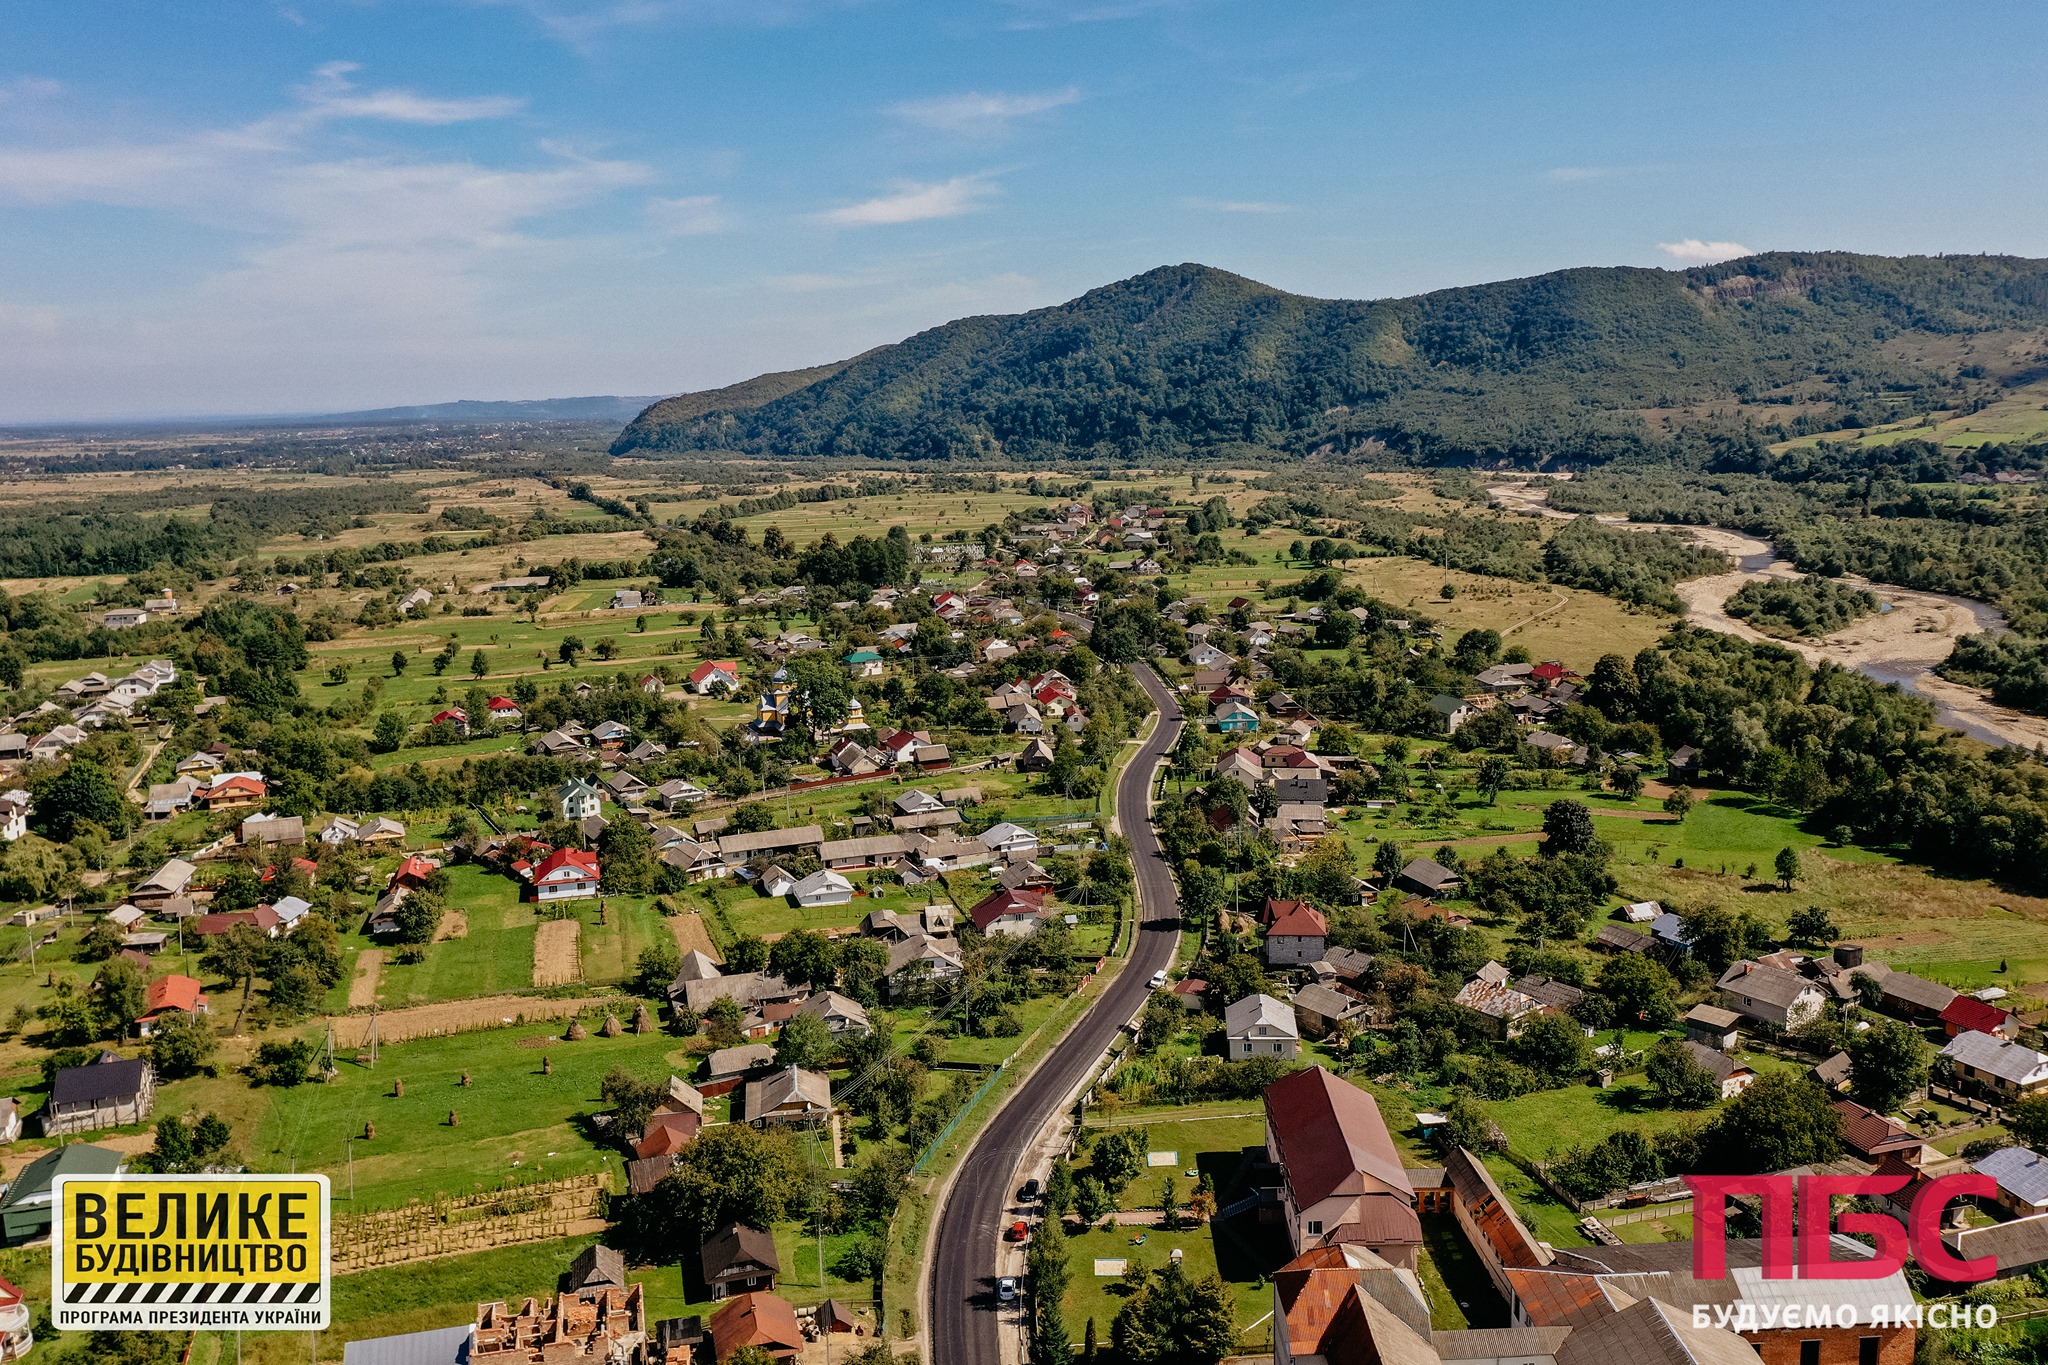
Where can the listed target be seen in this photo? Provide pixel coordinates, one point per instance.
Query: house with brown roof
(1490, 1226)
(1342, 1180)
(1873, 1137)
(739, 1259)
(764, 1321)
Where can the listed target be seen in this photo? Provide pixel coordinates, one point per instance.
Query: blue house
(1234, 717)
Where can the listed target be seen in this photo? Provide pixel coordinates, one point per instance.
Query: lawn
(1211, 1138)
(515, 1121)
(1242, 1266)
(1455, 1280)
(494, 954)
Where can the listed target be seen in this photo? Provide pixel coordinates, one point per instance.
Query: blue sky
(304, 205)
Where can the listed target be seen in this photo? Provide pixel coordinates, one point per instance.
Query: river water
(1908, 660)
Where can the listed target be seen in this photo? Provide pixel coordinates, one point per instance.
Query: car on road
(1006, 1288)
(1159, 979)
(1029, 1194)
(1019, 1231)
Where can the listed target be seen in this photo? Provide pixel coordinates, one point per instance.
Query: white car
(1006, 1288)
(1159, 979)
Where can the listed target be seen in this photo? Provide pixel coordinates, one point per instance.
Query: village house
(566, 874)
(759, 1321)
(739, 1259)
(1260, 1026)
(2022, 1177)
(106, 1093)
(1320, 1009)
(1992, 1067)
(1714, 1027)
(1427, 877)
(1490, 994)
(1733, 1076)
(1297, 935)
(788, 1094)
(1017, 913)
(715, 676)
(168, 995)
(1342, 1180)
(1771, 995)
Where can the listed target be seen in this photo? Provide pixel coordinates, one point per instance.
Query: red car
(1019, 1231)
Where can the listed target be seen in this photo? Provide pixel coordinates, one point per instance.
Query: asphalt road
(963, 1271)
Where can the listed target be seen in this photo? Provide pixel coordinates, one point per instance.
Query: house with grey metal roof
(2022, 1177)
(2006, 1071)
(1769, 994)
(1260, 1026)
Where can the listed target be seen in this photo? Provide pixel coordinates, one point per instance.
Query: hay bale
(612, 1027)
(576, 1033)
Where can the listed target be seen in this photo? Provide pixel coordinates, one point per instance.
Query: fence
(1648, 1213)
(450, 1226)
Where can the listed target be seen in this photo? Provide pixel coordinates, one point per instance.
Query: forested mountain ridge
(1188, 359)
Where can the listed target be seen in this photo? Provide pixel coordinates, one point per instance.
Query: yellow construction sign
(176, 1252)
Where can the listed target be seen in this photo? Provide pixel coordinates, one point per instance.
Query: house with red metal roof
(1016, 912)
(1343, 1182)
(715, 673)
(232, 792)
(566, 874)
(1297, 937)
(1968, 1014)
(168, 995)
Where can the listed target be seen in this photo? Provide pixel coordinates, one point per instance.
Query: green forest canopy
(1187, 359)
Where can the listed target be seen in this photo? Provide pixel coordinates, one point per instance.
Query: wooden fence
(453, 1225)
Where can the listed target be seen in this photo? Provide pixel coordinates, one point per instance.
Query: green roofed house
(26, 1208)
(864, 663)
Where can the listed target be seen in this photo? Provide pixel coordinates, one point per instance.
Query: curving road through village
(964, 1320)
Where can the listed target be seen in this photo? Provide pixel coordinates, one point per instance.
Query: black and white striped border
(191, 1292)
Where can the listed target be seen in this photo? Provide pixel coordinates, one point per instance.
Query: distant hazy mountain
(609, 408)
(1584, 364)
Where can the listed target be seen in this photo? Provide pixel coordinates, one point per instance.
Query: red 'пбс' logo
(1815, 1194)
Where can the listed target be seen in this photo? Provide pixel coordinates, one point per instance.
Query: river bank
(1902, 643)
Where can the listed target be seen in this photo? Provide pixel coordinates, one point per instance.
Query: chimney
(1849, 955)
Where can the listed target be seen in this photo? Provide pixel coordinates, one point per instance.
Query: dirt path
(556, 961)
(362, 992)
(454, 924)
(1561, 603)
(691, 935)
(352, 1031)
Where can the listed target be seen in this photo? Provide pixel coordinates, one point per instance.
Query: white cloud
(350, 275)
(1571, 175)
(331, 94)
(914, 203)
(693, 215)
(1696, 252)
(975, 112)
(1237, 205)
